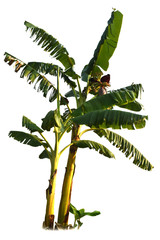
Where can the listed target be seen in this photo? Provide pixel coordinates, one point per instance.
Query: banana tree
(96, 107)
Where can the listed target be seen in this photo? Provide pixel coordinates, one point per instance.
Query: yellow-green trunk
(50, 192)
(68, 179)
(50, 195)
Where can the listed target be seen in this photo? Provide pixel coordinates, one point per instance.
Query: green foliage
(71, 94)
(48, 121)
(41, 82)
(111, 119)
(51, 45)
(126, 147)
(122, 97)
(133, 106)
(27, 138)
(96, 113)
(58, 122)
(105, 48)
(96, 146)
(51, 120)
(78, 214)
(32, 127)
(49, 68)
(45, 154)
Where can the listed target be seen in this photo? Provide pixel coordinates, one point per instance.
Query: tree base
(48, 224)
(59, 226)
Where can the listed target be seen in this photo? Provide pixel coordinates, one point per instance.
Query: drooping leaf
(121, 97)
(126, 147)
(105, 48)
(71, 94)
(48, 68)
(96, 146)
(41, 82)
(45, 154)
(32, 127)
(133, 106)
(71, 73)
(27, 138)
(78, 214)
(51, 45)
(111, 119)
(137, 88)
(48, 121)
(52, 120)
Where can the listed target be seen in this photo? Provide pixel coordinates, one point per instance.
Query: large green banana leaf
(40, 81)
(27, 138)
(51, 45)
(133, 106)
(105, 48)
(126, 147)
(32, 127)
(94, 145)
(48, 121)
(49, 68)
(32, 140)
(52, 120)
(121, 97)
(111, 119)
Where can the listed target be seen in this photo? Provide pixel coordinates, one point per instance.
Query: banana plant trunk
(50, 195)
(68, 180)
(50, 191)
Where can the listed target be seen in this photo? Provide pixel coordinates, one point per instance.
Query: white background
(128, 197)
